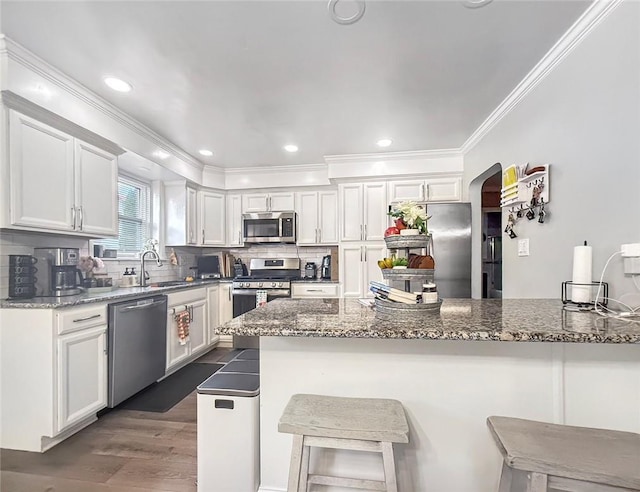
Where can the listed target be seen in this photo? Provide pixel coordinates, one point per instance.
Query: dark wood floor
(124, 451)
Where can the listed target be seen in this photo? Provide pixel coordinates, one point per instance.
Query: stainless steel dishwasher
(137, 346)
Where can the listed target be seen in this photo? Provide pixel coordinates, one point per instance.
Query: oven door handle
(270, 292)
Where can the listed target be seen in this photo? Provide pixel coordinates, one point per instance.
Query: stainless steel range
(268, 279)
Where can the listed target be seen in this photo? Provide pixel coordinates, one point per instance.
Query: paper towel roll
(581, 274)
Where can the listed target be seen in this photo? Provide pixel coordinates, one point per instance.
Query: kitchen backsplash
(23, 243)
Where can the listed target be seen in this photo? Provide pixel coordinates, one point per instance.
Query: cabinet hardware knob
(87, 318)
(81, 210)
(73, 210)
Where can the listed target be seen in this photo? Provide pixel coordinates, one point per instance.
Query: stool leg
(389, 467)
(296, 463)
(537, 482)
(505, 478)
(304, 468)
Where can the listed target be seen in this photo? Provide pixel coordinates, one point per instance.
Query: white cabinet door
(96, 178)
(371, 270)
(255, 202)
(328, 217)
(400, 191)
(351, 264)
(192, 218)
(213, 313)
(226, 303)
(444, 189)
(307, 210)
(234, 220)
(212, 218)
(42, 177)
(351, 204)
(176, 351)
(281, 202)
(375, 218)
(198, 329)
(82, 375)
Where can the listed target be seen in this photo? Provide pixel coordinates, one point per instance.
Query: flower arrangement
(410, 215)
(90, 263)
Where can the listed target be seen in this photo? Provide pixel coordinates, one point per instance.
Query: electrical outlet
(630, 250)
(523, 247)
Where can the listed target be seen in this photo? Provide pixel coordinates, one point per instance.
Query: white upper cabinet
(359, 266)
(96, 171)
(212, 218)
(363, 210)
(426, 190)
(181, 214)
(317, 217)
(268, 202)
(234, 220)
(58, 182)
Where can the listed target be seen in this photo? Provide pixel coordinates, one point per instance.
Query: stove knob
(279, 284)
(246, 285)
(260, 284)
(273, 284)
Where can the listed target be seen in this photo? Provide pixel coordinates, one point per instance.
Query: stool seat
(366, 419)
(356, 424)
(565, 457)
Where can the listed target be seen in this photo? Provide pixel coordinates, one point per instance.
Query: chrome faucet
(154, 255)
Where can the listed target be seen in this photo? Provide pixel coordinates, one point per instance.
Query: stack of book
(383, 291)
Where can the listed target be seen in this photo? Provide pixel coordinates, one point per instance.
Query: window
(134, 218)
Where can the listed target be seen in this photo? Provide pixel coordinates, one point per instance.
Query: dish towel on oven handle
(182, 319)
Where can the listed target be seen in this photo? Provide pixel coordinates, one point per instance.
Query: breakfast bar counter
(451, 371)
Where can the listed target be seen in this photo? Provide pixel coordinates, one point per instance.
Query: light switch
(523, 247)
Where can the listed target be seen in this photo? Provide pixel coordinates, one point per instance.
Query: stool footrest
(335, 443)
(354, 483)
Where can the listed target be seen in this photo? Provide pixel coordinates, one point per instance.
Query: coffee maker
(325, 268)
(59, 274)
(310, 270)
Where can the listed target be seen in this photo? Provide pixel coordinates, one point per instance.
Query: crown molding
(259, 169)
(27, 59)
(391, 156)
(591, 18)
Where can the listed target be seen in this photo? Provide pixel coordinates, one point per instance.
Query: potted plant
(411, 218)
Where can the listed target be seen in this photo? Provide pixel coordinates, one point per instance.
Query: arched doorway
(491, 237)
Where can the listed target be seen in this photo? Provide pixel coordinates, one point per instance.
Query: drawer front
(186, 297)
(314, 290)
(70, 320)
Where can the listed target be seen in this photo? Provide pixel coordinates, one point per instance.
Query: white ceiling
(244, 78)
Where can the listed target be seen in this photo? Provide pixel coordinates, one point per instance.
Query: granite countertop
(117, 294)
(517, 320)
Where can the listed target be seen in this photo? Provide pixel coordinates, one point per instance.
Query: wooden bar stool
(360, 424)
(563, 457)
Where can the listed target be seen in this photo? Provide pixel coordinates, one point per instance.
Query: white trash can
(229, 433)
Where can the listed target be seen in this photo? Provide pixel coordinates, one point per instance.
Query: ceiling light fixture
(385, 142)
(205, 152)
(161, 154)
(476, 4)
(345, 21)
(118, 84)
(291, 148)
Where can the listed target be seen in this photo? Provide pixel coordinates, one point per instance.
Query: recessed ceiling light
(385, 142)
(205, 152)
(161, 154)
(291, 148)
(117, 84)
(475, 4)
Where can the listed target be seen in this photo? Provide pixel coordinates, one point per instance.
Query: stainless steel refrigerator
(450, 226)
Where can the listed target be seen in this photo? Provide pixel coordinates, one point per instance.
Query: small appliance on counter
(310, 270)
(58, 274)
(208, 267)
(325, 269)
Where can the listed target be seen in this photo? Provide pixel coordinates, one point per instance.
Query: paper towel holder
(584, 306)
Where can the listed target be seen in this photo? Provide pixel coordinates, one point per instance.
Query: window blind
(133, 217)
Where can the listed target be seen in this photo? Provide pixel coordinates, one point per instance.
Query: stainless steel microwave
(269, 227)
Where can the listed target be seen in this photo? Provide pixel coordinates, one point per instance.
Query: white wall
(584, 120)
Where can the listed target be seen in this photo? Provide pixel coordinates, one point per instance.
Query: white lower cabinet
(359, 266)
(213, 308)
(82, 375)
(194, 302)
(225, 310)
(314, 290)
